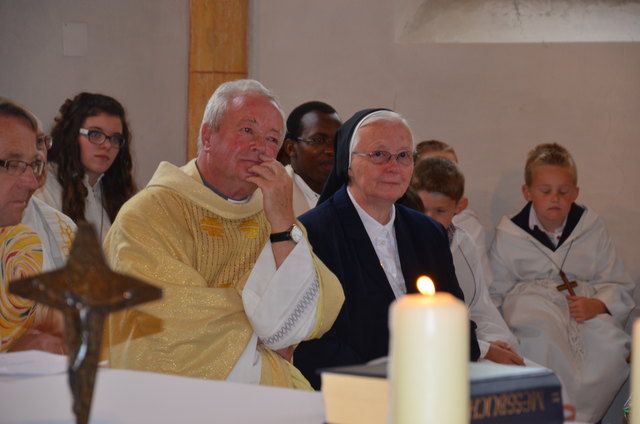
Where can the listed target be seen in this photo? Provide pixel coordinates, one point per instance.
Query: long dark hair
(117, 183)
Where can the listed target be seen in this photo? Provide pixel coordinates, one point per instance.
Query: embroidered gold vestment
(200, 249)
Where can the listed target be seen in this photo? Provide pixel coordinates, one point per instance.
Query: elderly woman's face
(381, 184)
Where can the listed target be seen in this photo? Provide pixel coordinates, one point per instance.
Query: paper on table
(31, 363)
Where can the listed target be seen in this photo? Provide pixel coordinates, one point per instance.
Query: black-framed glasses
(44, 140)
(18, 167)
(316, 141)
(380, 157)
(98, 137)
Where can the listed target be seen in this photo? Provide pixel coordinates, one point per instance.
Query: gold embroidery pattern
(225, 260)
(250, 228)
(212, 226)
(66, 235)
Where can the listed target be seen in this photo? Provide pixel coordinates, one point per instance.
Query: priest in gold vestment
(241, 285)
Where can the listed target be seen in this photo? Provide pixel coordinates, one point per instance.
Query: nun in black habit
(376, 248)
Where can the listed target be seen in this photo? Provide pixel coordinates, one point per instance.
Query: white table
(124, 396)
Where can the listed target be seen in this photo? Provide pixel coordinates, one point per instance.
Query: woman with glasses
(376, 248)
(90, 161)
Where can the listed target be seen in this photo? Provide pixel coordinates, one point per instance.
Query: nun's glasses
(380, 157)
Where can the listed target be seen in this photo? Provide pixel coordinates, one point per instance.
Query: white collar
(309, 194)
(85, 180)
(239, 202)
(383, 239)
(554, 236)
(373, 227)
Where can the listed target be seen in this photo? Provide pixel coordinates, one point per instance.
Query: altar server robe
(589, 358)
(472, 277)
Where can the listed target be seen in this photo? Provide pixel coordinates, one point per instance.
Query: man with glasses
(20, 164)
(309, 146)
(24, 325)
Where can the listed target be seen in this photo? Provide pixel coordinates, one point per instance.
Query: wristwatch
(294, 233)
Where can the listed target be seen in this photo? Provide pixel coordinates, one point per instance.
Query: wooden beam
(218, 52)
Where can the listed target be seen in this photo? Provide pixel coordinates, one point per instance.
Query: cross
(85, 290)
(567, 285)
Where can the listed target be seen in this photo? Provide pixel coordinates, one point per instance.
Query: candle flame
(426, 286)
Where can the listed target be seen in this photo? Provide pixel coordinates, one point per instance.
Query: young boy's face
(552, 192)
(439, 207)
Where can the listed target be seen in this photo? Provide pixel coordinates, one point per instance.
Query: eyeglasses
(380, 157)
(315, 141)
(46, 140)
(98, 137)
(17, 167)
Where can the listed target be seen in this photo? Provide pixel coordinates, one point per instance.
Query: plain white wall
(492, 102)
(137, 52)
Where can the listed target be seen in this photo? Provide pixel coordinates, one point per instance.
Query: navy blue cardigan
(361, 331)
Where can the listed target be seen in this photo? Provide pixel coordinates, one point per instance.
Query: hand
(286, 353)
(277, 187)
(501, 353)
(37, 340)
(584, 308)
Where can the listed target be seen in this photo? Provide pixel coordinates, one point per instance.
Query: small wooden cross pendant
(567, 285)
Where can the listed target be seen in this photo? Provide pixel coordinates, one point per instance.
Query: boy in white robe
(576, 332)
(465, 218)
(440, 185)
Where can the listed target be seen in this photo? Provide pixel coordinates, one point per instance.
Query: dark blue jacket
(361, 331)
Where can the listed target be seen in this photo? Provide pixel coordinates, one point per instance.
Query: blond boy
(563, 290)
(440, 185)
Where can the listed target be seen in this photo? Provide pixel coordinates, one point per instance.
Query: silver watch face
(296, 233)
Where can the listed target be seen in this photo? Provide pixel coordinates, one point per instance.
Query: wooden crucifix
(566, 284)
(86, 290)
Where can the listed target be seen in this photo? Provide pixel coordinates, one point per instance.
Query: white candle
(635, 373)
(429, 357)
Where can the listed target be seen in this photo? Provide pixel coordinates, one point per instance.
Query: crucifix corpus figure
(566, 284)
(85, 290)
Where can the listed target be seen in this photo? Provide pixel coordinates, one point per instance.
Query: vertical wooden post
(218, 52)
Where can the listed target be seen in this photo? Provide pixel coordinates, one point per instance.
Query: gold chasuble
(200, 249)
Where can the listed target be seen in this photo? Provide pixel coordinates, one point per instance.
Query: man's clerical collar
(225, 197)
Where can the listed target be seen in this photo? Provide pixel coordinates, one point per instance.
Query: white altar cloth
(125, 396)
